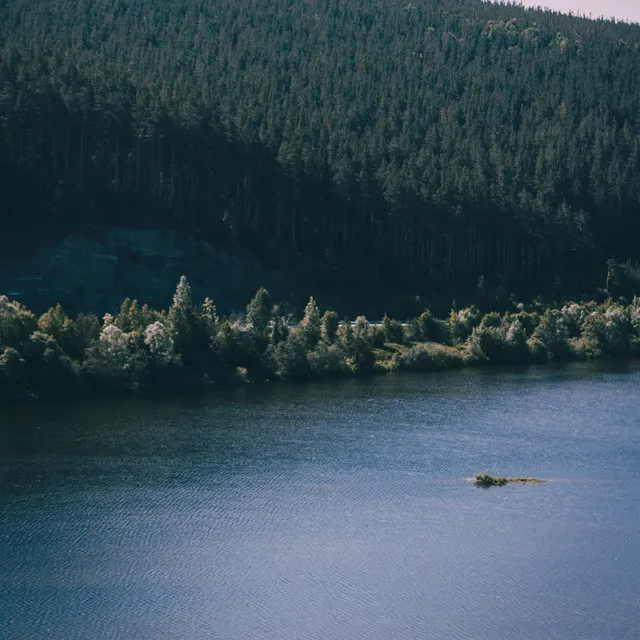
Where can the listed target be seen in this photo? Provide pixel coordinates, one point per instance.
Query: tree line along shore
(189, 345)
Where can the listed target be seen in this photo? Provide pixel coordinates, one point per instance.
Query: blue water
(328, 511)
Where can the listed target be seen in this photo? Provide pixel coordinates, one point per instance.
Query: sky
(619, 9)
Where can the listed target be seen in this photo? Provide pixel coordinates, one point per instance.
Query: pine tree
(330, 326)
(182, 319)
(311, 324)
(259, 312)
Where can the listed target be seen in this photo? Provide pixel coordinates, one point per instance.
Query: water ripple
(328, 512)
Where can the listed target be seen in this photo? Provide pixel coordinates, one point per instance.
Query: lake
(335, 511)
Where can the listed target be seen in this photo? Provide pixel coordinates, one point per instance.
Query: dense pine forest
(425, 145)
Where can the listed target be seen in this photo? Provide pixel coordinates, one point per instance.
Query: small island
(487, 480)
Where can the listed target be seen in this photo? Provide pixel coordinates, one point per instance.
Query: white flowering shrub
(158, 338)
(573, 316)
(516, 334)
(111, 358)
(113, 339)
(605, 331)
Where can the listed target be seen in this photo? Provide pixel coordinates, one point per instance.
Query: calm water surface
(329, 511)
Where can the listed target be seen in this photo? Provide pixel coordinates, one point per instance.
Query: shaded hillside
(416, 145)
(96, 269)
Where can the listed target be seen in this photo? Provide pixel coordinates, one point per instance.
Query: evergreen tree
(330, 326)
(311, 324)
(259, 313)
(392, 330)
(182, 320)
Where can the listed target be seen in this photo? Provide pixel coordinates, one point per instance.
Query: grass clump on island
(193, 345)
(487, 480)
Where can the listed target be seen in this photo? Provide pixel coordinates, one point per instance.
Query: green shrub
(538, 352)
(362, 329)
(609, 330)
(330, 326)
(17, 323)
(327, 361)
(585, 348)
(491, 319)
(413, 332)
(617, 330)
(487, 480)
(554, 334)
(356, 343)
(528, 320)
(490, 341)
(392, 330)
(278, 330)
(634, 346)
(51, 372)
(634, 315)
(430, 356)
(516, 350)
(501, 340)
(12, 373)
(490, 338)
(290, 357)
(434, 330)
(55, 323)
(85, 331)
(378, 338)
(573, 316)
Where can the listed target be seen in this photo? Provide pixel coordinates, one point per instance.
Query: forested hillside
(427, 143)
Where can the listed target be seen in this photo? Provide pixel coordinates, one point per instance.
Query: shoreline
(87, 395)
(189, 347)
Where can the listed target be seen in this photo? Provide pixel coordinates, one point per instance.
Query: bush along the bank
(191, 344)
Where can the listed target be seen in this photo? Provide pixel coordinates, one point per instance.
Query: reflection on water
(328, 511)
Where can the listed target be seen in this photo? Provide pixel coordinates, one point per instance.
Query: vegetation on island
(192, 345)
(419, 145)
(486, 480)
